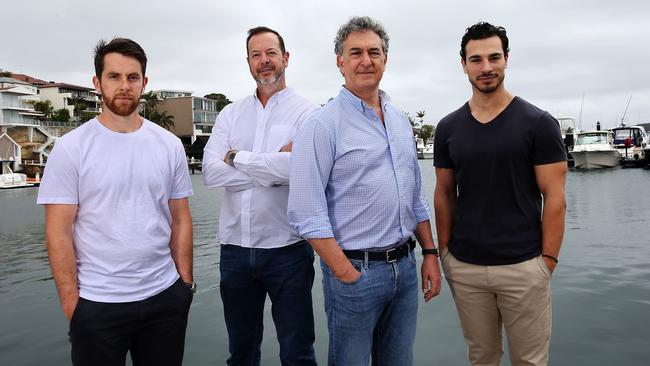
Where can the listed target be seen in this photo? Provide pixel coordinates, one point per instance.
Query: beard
(270, 80)
(121, 107)
(490, 87)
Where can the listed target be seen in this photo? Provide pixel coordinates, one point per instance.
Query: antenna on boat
(580, 117)
(624, 113)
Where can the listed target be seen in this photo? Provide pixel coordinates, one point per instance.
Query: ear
(464, 65)
(285, 59)
(339, 64)
(145, 80)
(506, 59)
(97, 84)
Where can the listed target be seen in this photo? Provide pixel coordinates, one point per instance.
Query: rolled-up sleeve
(312, 159)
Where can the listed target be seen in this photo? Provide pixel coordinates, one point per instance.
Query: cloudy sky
(560, 50)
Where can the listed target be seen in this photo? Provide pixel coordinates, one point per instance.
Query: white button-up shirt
(254, 208)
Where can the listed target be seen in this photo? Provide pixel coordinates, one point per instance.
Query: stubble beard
(121, 109)
(271, 80)
(488, 88)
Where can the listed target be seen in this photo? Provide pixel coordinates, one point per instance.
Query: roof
(64, 85)
(28, 79)
(4, 79)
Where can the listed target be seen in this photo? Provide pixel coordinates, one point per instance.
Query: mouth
(266, 69)
(487, 77)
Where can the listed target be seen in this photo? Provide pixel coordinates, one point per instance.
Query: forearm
(63, 264)
(553, 223)
(181, 242)
(61, 254)
(423, 234)
(329, 251)
(266, 169)
(444, 206)
(216, 173)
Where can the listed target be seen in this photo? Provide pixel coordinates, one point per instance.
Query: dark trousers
(153, 330)
(286, 275)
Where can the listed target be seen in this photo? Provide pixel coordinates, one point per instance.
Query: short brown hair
(123, 46)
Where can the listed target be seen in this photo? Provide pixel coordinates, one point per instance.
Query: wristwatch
(231, 157)
(192, 286)
(431, 251)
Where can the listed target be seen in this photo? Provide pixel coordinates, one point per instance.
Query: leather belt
(389, 255)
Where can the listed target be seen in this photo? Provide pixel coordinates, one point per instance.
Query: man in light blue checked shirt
(356, 196)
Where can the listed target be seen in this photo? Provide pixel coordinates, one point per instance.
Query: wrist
(230, 157)
(431, 252)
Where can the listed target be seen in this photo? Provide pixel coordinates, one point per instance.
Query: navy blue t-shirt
(497, 219)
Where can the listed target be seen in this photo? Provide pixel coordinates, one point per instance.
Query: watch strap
(430, 251)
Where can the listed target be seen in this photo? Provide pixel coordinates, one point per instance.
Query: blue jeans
(374, 315)
(286, 275)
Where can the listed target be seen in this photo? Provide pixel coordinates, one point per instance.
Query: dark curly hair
(483, 30)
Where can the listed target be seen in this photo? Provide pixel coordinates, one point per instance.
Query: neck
(122, 124)
(265, 92)
(487, 102)
(371, 97)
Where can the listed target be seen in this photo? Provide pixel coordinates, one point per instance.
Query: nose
(486, 66)
(365, 59)
(124, 84)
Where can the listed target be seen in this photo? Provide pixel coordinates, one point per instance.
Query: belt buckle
(388, 259)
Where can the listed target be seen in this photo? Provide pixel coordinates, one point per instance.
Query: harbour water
(601, 287)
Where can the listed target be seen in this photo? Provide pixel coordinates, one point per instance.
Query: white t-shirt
(122, 183)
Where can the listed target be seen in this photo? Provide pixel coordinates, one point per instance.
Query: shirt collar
(358, 103)
(278, 97)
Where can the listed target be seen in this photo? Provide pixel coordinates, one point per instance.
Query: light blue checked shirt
(354, 179)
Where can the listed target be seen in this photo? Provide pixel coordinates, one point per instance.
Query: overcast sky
(560, 50)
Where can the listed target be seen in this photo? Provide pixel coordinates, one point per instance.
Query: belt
(389, 255)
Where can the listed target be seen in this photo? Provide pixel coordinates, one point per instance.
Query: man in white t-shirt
(248, 154)
(118, 224)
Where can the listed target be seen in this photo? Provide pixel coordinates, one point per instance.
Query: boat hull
(596, 159)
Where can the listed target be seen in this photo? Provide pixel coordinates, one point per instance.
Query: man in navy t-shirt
(500, 206)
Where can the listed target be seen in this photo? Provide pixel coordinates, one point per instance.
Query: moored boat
(631, 142)
(594, 150)
(427, 153)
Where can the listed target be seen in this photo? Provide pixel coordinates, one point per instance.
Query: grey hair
(360, 24)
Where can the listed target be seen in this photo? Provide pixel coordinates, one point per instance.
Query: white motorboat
(568, 130)
(594, 150)
(419, 147)
(427, 153)
(631, 142)
(13, 180)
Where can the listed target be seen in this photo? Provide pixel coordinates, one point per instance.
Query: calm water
(601, 288)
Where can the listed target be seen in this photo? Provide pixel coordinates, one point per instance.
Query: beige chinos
(516, 297)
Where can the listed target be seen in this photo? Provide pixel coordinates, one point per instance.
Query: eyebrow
(474, 57)
(361, 49)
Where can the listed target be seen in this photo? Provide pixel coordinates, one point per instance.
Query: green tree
(420, 115)
(151, 101)
(221, 99)
(61, 115)
(162, 119)
(410, 118)
(45, 107)
(427, 131)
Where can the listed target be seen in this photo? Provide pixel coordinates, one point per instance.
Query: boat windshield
(592, 138)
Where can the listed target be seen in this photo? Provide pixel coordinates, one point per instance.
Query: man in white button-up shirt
(248, 154)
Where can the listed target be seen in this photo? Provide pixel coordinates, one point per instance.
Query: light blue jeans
(374, 315)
